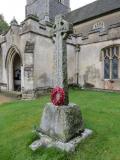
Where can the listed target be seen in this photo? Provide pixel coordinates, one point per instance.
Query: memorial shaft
(61, 31)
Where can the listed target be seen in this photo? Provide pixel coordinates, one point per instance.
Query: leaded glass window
(111, 62)
(107, 68)
(115, 68)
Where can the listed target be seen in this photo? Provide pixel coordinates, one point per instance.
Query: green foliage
(3, 25)
(101, 113)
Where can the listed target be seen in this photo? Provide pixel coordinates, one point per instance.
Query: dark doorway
(17, 73)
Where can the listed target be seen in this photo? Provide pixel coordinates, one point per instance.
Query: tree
(3, 24)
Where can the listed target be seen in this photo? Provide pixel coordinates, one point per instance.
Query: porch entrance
(17, 73)
(13, 67)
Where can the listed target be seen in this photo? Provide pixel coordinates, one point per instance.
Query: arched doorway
(17, 73)
(13, 67)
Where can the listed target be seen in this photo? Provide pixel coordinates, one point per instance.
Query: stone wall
(93, 36)
(83, 66)
(37, 62)
(39, 8)
(44, 62)
(91, 69)
(46, 9)
(56, 8)
(7, 41)
(86, 28)
(71, 64)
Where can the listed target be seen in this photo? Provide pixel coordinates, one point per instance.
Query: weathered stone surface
(46, 9)
(61, 30)
(46, 141)
(82, 68)
(29, 47)
(28, 95)
(62, 123)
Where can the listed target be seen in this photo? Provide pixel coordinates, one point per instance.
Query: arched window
(110, 57)
(106, 68)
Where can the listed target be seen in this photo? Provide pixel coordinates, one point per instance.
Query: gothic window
(115, 68)
(106, 68)
(111, 62)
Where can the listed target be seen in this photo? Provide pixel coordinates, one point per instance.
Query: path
(4, 99)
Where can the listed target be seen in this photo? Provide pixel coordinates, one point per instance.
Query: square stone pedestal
(61, 127)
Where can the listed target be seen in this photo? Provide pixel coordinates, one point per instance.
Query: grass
(101, 112)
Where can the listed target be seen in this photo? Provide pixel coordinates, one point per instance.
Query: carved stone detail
(29, 72)
(29, 47)
(61, 30)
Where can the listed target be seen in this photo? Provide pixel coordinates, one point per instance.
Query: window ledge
(111, 79)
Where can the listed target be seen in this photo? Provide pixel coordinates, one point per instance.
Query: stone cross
(61, 31)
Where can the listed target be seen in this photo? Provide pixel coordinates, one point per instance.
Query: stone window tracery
(98, 26)
(110, 57)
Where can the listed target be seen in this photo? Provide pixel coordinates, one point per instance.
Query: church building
(93, 49)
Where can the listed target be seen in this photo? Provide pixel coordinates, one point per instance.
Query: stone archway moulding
(12, 52)
(10, 55)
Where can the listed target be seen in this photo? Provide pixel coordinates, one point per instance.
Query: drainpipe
(77, 62)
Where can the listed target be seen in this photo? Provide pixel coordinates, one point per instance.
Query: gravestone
(61, 126)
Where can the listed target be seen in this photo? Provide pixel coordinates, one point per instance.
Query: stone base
(46, 141)
(62, 123)
(28, 95)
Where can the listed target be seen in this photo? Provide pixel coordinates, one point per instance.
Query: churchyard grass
(101, 113)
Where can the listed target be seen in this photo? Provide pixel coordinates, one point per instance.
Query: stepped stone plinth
(62, 123)
(61, 127)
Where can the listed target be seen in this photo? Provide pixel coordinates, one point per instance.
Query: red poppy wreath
(58, 96)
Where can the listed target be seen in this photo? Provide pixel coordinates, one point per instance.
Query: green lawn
(101, 112)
